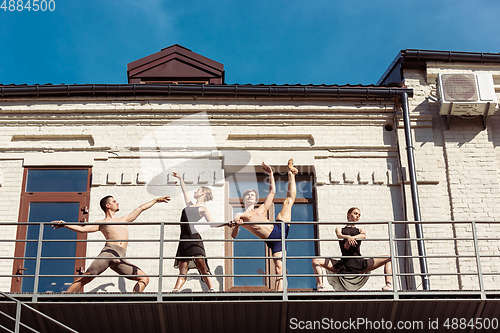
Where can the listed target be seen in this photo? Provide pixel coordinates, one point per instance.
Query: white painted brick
(189, 178)
(350, 176)
(336, 176)
(126, 178)
(112, 178)
(218, 177)
(322, 177)
(96, 177)
(203, 177)
(171, 180)
(379, 177)
(364, 177)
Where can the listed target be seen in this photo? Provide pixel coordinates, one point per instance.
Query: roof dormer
(175, 64)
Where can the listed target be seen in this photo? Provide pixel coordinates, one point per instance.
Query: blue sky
(273, 41)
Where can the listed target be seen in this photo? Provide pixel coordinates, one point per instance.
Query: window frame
(27, 197)
(228, 247)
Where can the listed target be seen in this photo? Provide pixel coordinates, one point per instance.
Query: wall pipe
(414, 191)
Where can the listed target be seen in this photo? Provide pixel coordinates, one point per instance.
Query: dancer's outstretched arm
(184, 189)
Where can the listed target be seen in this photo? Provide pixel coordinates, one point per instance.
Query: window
(303, 210)
(51, 194)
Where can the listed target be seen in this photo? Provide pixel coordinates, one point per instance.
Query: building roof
(178, 71)
(411, 58)
(173, 64)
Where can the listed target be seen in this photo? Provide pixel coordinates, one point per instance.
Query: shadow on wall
(493, 126)
(218, 272)
(389, 136)
(194, 276)
(463, 131)
(102, 287)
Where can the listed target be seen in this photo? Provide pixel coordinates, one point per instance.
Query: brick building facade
(348, 141)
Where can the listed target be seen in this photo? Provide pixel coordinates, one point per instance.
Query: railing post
(478, 260)
(284, 282)
(18, 317)
(392, 249)
(159, 298)
(38, 261)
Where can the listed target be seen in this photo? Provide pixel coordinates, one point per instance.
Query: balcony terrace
(477, 296)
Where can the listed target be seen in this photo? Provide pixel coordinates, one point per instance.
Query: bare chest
(115, 231)
(254, 216)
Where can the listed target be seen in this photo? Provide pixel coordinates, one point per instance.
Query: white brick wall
(467, 172)
(344, 142)
(10, 194)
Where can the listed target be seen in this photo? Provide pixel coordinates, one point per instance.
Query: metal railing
(17, 320)
(474, 257)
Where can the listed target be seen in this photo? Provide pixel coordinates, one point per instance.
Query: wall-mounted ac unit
(466, 94)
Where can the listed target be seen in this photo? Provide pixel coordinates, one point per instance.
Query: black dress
(186, 248)
(350, 265)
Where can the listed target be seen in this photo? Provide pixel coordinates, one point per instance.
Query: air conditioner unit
(466, 94)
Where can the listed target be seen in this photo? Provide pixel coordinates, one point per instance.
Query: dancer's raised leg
(285, 214)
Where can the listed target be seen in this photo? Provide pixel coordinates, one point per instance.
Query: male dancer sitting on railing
(112, 249)
(268, 231)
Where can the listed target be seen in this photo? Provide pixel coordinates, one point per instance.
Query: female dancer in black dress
(349, 246)
(193, 249)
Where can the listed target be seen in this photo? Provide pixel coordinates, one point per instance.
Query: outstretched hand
(58, 224)
(176, 175)
(267, 168)
(236, 222)
(163, 199)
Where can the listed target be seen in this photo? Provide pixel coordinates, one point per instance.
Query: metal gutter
(244, 91)
(429, 55)
(420, 57)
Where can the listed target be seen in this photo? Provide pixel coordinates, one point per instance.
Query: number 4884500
(28, 5)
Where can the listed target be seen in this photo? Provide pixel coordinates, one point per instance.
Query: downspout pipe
(414, 191)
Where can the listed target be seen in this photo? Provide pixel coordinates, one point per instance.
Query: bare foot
(291, 167)
(387, 287)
